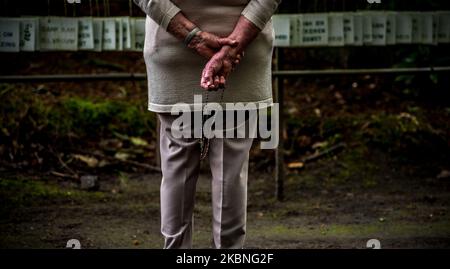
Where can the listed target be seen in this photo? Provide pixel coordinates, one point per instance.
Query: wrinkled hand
(207, 44)
(219, 67)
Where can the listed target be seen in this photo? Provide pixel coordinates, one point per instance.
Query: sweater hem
(158, 108)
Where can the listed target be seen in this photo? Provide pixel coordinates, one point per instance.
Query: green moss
(368, 230)
(31, 118)
(41, 118)
(84, 116)
(25, 192)
(404, 134)
(410, 135)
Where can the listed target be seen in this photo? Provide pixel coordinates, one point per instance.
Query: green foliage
(423, 56)
(405, 135)
(22, 192)
(26, 191)
(28, 118)
(89, 118)
(334, 126)
(409, 134)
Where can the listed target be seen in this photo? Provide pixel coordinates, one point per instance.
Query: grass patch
(21, 193)
(31, 122)
(369, 230)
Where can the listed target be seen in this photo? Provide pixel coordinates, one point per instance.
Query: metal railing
(275, 74)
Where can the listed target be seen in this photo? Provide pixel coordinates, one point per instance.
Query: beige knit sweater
(174, 71)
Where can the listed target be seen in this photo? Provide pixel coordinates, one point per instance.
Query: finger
(238, 59)
(216, 82)
(222, 82)
(208, 77)
(206, 74)
(227, 68)
(203, 79)
(227, 42)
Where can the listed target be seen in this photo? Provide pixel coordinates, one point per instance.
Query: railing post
(279, 152)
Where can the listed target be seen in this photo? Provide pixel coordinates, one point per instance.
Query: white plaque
(133, 33)
(119, 34)
(429, 28)
(9, 35)
(379, 21)
(98, 33)
(349, 29)
(336, 30)
(404, 28)
(29, 34)
(444, 27)
(58, 33)
(417, 27)
(367, 28)
(296, 30)
(126, 33)
(391, 27)
(359, 34)
(109, 34)
(139, 34)
(85, 34)
(282, 28)
(315, 30)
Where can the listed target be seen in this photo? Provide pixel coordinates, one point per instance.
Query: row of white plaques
(362, 28)
(71, 34)
(294, 30)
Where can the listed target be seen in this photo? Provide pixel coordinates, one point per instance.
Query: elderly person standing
(191, 48)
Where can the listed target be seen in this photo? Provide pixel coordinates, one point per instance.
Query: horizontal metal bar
(73, 77)
(280, 73)
(329, 72)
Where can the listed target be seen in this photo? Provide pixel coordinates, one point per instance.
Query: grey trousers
(180, 165)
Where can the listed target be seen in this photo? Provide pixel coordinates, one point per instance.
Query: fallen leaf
(111, 144)
(122, 156)
(90, 161)
(319, 145)
(296, 165)
(443, 174)
(137, 141)
(317, 112)
(103, 163)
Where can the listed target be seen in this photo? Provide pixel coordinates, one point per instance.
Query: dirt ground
(402, 208)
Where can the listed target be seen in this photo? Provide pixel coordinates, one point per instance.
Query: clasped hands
(223, 55)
